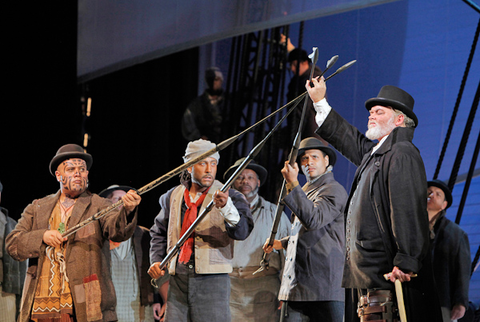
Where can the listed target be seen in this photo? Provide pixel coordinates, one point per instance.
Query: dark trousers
(317, 311)
(420, 305)
(198, 298)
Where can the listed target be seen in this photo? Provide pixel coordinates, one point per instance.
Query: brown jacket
(87, 267)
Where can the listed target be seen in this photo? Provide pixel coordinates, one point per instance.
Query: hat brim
(391, 103)
(259, 170)
(70, 155)
(106, 192)
(332, 155)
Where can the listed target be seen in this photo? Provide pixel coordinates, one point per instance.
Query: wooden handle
(401, 304)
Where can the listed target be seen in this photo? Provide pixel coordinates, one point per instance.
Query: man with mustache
(386, 219)
(311, 281)
(199, 286)
(68, 278)
(254, 297)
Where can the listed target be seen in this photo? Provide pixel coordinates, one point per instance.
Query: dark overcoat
(315, 252)
(388, 197)
(396, 197)
(451, 263)
(86, 253)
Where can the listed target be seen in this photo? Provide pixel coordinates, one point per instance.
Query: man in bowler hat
(387, 224)
(311, 280)
(68, 278)
(451, 253)
(246, 288)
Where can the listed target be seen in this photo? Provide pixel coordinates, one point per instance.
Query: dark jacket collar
(398, 134)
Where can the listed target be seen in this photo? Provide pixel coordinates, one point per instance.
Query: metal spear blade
(330, 63)
(341, 69)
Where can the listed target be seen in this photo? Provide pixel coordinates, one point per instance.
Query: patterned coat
(86, 253)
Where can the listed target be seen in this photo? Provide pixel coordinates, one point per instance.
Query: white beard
(377, 132)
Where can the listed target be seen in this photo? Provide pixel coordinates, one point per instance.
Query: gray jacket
(315, 252)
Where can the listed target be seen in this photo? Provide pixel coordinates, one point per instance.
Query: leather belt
(247, 272)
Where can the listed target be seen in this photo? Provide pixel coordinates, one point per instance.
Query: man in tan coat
(69, 278)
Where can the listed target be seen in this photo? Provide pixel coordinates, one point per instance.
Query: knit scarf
(188, 219)
(53, 298)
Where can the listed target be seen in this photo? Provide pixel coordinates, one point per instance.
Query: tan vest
(213, 250)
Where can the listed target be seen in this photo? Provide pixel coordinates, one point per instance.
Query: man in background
(205, 115)
(451, 253)
(129, 265)
(12, 273)
(254, 297)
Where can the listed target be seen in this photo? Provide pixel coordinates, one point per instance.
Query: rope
(475, 260)
(457, 103)
(463, 143)
(461, 206)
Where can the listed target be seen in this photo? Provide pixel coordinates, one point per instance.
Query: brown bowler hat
(394, 97)
(69, 151)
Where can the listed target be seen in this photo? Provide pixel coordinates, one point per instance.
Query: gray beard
(378, 132)
(252, 193)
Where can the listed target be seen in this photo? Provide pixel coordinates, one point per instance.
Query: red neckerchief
(188, 219)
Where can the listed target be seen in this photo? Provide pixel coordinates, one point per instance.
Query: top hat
(396, 98)
(446, 190)
(313, 143)
(106, 192)
(69, 151)
(259, 170)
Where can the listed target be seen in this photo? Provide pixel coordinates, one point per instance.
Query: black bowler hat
(106, 192)
(298, 54)
(69, 151)
(442, 185)
(314, 143)
(394, 97)
(259, 170)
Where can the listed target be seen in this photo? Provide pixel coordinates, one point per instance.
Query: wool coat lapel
(45, 209)
(83, 201)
